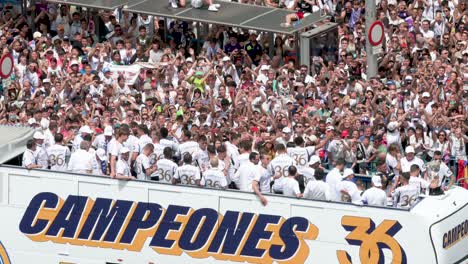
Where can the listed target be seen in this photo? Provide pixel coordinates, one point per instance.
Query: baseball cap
(347, 172)
(426, 94)
(105, 70)
(189, 59)
(314, 159)
(46, 81)
(377, 181)
(37, 34)
(264, 68)
(124, 150)
(286, 130)
(409, 149)
(330, 128)
(108, 131)
(226, 58)
(101, 153)
(38, 135)
(86, 129)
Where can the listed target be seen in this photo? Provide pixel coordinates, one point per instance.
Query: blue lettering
(69, 217)
(137, 222)
(258, 232)
(291, 242)
(168, 223)
(103, 218)
(27, 225)
(230, 233)
(210, 218)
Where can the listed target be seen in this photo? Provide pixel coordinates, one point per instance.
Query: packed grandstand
(151, 101)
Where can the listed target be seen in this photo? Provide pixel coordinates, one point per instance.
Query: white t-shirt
(214, 178)
(309, 174)
(406, 165)
(190, 147)
(392, 162)
(143, 141)
(202, 159)
(405, 196)
(317, 190)
(166, 170)
(301, 155)
(263, 178)
(333, 178)
(290, 187)
(101, 142)
(244, 176)
(352, 190)
(81, 161)
(28, 158)
(279, 166)
(58, 155)
(132, 144)
(420, 183)
(142, 163)
(122, 168)
(42, 158)
(188, 174)
(375, 196)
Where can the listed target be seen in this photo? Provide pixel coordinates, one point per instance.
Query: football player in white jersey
(143, 138)
(407, 194)
(188, 146)
(132, 143)
(40, 153)
(187, 174)
(201, 157)
(142, 166)
(166, 167)
(214, 177)
(300, 153)
(29, 160)
(103, 140)
(157, 150)
(58, 154)
(309, 171)
(167, 142)
(245, 147)
(122, 168)
(278, 167)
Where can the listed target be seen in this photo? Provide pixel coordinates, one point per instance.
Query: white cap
(189, 59)
(409, 149)
(124, 150)
(32, 120)
(86, 129)
(377, 181)
(426, 94)
(108, 131)
(45, 123)
(73, 62)
(329, 121)
(264, 68)
(226, 58)
(347, 172)
(314, 159)
(286, 130)
(37, 34)
(38, 135)
(311, 138)
(101, 153)
(392, 125)
(46, 81)
(330, 128)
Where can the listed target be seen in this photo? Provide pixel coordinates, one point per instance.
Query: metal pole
(371, 58)
(305, 50)
(271, 43)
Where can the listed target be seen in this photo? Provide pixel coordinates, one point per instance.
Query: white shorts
(197, 3)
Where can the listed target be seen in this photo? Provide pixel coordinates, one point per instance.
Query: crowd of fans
(218, 111)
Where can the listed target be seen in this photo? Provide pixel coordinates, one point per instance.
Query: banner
(130, 72)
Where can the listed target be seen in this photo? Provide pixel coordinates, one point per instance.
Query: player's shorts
(197, 3)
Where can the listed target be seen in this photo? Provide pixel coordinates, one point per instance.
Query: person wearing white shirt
(420, 183)
(411, 159)
(100, 162)
(40, 153)
(309, 171)
(439, 171)
(29, 159)
(84, 130)
(122, 169)
(81, 161)
(121, 136)
(187, 174)
(318, 189)
(188, 146)
(102, 141)
(290, 184)
(278, 167)
(214, 177)
(407, 194)
(246, 173)
(58, 154)
(348, 190)
(166, 167)
(142, 167)
(166, 142)
(143, 137)
(333, 178)
(261, 184)
(375, 195)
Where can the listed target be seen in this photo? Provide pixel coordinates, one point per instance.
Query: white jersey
(76, 143)
(245, 175)
(132, 144)
(81, 161)
(406, 165)
(214, 178)
(114, 148)
(308, 173)
(279, 166)
(317, 190)
(166, 170)
(420, 183)
(290, 187)
(241, 159)
(202, 159)
(158, 153)
(374, 196)
(171, 144)
(142, 163)
(405, 196)
(143, 141)
(188, 174)
(122, 168)
(101, 142)
(58, 156)
(352, 192)
(263, 179)
(42, 158)
(190, 147)
(301, 155)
